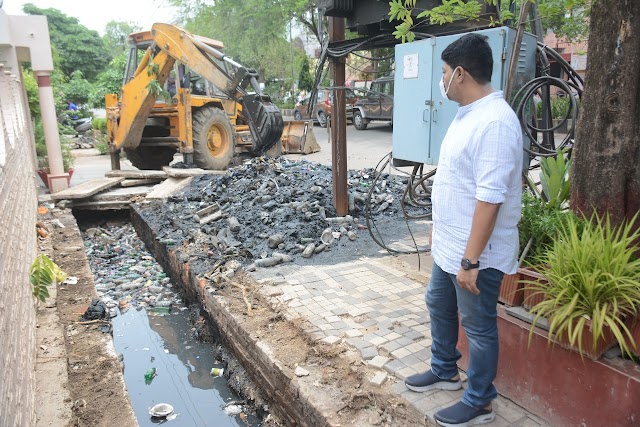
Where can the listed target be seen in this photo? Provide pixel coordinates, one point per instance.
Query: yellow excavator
(213, 108)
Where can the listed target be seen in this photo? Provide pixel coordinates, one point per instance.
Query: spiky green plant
(594, 281)
(554, 180)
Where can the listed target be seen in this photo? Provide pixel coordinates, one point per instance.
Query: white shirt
(480, 159)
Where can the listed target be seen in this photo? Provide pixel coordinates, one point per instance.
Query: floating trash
(232, 409)
(161, 410)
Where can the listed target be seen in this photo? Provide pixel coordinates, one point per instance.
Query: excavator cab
(181, 92)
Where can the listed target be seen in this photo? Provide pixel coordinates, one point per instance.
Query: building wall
(18, 203)
(574, 53)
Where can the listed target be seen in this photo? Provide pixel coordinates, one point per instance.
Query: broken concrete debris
(301, 372)
(271, 205)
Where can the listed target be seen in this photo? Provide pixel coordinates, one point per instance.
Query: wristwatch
(467, 265)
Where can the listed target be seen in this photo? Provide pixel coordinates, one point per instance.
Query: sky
(94, 14)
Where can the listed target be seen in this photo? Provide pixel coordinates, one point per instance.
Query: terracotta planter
(511, 290)
(604, 343)
(44, 176)
(531, 295)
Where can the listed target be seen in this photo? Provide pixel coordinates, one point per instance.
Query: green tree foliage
(306, 13)
(116, 34)
(305, 79)
(77, 89)
(254, 32)
(78, 47)
(31, 87)
(109, 81)
(568, 19)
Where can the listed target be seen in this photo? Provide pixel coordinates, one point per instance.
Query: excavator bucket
(298, 138)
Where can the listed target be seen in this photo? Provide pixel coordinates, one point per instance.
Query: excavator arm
(171, 43)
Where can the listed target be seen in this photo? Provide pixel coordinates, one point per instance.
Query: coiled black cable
(418, 192)
(524, 105)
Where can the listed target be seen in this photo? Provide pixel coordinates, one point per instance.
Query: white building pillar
(58, 178)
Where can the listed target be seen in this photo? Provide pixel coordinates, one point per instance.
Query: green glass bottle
(149, 375)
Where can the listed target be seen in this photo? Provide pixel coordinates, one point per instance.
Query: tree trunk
(606, 156)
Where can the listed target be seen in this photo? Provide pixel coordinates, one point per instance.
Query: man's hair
(471, 52)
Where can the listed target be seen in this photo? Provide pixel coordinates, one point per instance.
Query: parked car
(376, 105)
(322, 109)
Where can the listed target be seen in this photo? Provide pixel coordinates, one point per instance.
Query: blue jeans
(479, 319)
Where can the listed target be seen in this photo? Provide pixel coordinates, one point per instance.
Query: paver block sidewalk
(377, 310)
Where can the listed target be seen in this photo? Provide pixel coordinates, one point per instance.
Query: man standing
(476, 200)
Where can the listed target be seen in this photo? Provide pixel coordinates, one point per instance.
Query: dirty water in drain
(164, 361)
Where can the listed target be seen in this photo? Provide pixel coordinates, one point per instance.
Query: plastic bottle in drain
(149, 375)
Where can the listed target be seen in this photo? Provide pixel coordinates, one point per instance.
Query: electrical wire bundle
(417, 193)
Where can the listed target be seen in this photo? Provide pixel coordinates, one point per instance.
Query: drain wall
(286, 400)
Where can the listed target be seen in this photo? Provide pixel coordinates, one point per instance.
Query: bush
(286, 105)
(559, 107)
(540, 224)
(77, 89)
(100, 124)
(38, 132)
(102, 144)
(31, 87)
(41, 149)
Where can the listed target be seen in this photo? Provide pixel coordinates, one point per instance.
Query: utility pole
(293, 65)
(338, 123)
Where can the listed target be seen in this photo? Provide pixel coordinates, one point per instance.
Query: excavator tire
(212, 139)
(150, 158)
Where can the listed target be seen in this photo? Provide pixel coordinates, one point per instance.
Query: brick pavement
(377, 309)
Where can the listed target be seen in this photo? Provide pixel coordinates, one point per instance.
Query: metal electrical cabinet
(421, 115)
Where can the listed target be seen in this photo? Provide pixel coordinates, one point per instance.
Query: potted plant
(43, 161)
(593, 274)
(543, 213)
(538, 228)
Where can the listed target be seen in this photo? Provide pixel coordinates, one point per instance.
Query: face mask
(444, 92)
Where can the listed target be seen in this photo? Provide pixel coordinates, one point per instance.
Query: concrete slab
(102, 205)
(169, 187)
(137, 174)
(86, 189)
(139, 181)
(123, 194)
(185, 173)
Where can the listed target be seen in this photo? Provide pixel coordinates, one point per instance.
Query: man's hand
(467, 280)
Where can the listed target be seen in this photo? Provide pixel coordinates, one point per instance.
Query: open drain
(169, 358)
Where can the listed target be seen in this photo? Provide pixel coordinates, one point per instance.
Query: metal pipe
(215, 53)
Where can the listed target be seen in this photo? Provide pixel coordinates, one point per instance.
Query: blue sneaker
(430, 381)
(463, 415)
